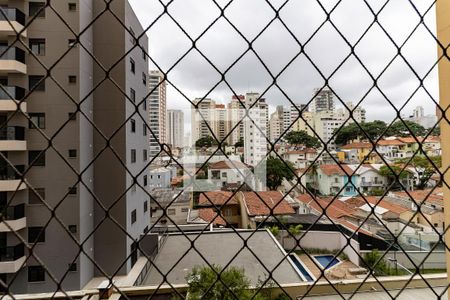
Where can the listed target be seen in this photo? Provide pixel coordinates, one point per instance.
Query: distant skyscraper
(157, 111)
(202, 118)
(323, 101)
(255, 129)
(175, 127)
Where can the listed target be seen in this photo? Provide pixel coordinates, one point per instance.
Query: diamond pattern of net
(221, 16)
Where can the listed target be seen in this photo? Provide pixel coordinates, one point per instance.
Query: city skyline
(194, 77)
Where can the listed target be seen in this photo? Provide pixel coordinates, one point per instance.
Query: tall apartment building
(255, 129)
(220, 122)
(64, 109)
(323, 100)
(275, 126)
(157, 111)
(175, 128)
(202, 118)
(236, 113)
(321, 125)
(359, 113)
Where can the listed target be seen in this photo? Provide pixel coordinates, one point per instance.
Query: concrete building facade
(66, 110)
(157, 111)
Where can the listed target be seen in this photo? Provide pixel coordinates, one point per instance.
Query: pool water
(327, 261)
(301, 268)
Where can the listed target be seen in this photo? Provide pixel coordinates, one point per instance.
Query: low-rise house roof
(431, 196)
(390, 143)
(217, 198)
(360, 145)
(209, 215)
(334, 169)
(266, 203)
(227, 164)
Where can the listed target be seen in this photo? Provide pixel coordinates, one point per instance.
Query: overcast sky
(276, 47)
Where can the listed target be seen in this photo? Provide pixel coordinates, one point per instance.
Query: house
(301, 158)
(226, 203)
(161, 177)
(331, 179)
(390, 148)
(258, 207)
(368, 178)
(362, 149)
(175, 202)
(432, 146)
(226, 172)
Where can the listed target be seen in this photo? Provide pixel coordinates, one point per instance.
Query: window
(184, 209)
(34, 197)
(132, 66)
(73, 190)
(73, 228)
(133, 95)
(144, 78)
(145, 180)
(36, 9)
(72, 116)
(133, 155)
(144, 104)
(133, 125)
(36, 158)
(37, 46)
(224, 174)
(72, 79)
(132, 36)
(144, 129)
(171, 211)
(36, 274)
(72, 153)
(145, 206)
(133, 217)
(37, 120)
(72, 7)
(144, 55)
(36, 235)
(145, 154)
(37, 82)
(73, 267)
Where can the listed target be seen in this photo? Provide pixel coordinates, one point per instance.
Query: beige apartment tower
(78, 120)
(157, 112)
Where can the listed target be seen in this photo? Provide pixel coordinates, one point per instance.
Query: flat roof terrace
(219, 248)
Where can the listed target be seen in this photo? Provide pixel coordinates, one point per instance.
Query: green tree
(203, 283)
(392, 173)
(374, 262)
(423, 167)
(276, 171)
(302, 138)
(372, 130)
(275, 230)
(206, 141)
(400, 128)
(239, 143)
(295, 229)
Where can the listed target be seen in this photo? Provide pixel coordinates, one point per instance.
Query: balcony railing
(12, 93)
(8, 173)
(12, 133)
(11, 253)
(371, 183)
(12, 53)
(12, 14)
(13, 212)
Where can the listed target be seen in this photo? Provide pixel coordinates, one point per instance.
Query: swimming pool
(301, 268)
(327, 261)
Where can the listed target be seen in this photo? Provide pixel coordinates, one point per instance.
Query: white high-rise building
(275, 126)
(175, 128)
(255, 129)
(236, 112)
(359, 113)
(157, 111)
(419, 117)
(202, 117)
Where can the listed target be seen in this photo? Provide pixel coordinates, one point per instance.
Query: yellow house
(363, 152)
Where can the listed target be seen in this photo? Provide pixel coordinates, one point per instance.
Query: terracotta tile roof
(335, 169)
(305, 151)
(390, 143)
(261, 203)
(360, 145)
(216, 198)
(409, 139)
(220, 105)
(383, 203)
(227, 164)
(208, 214)
(353, 227)
(436, 197)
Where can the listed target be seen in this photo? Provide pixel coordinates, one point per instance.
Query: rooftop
(221, 247)
(261, 203)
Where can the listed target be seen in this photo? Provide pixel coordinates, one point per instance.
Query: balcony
(372, 184)
(11, 22)
(10, 180)
(12, 138)
(12, 60)
(12, 258)
(14, 218)
(9, 97)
